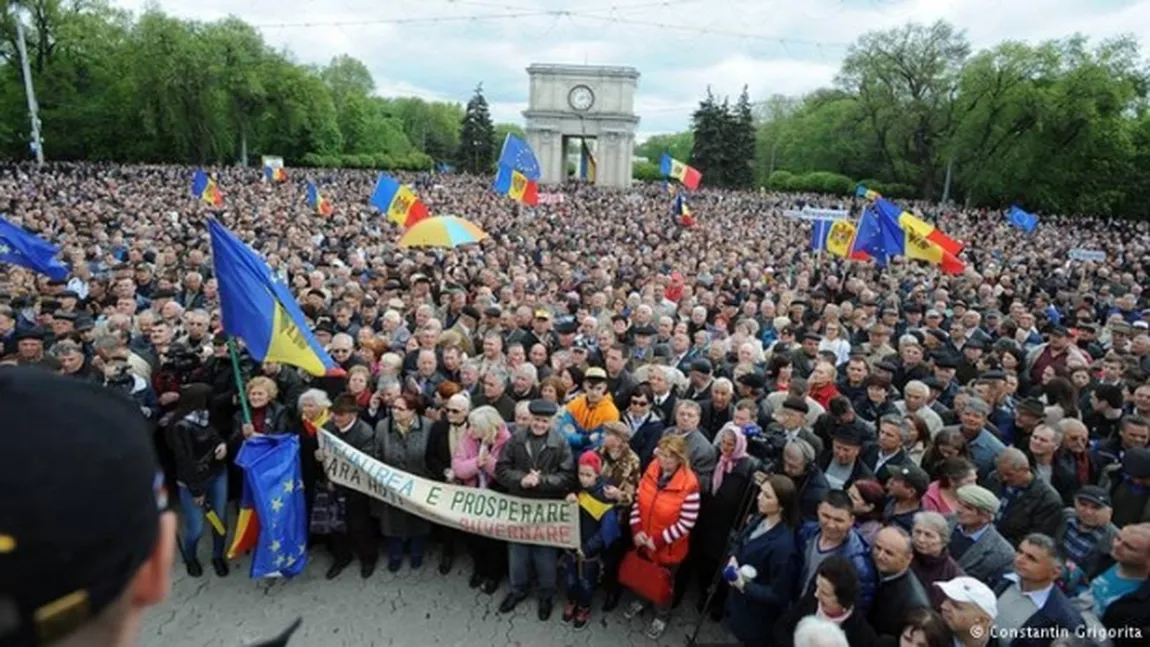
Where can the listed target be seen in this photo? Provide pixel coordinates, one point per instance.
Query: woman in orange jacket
(665, 510)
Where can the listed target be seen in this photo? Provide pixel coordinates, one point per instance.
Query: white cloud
(440, 49)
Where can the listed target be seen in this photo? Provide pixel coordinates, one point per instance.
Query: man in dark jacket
(898, 588)
(1028, 503)
(841, 465)
(537, 464)
(887, 451)
(1074, 465)
(359, 535)
(799, 464)
(1029, 603)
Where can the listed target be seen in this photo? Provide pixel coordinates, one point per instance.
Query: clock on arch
(581, 98)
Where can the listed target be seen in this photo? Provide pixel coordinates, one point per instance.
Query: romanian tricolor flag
(400, 203)
(275, 174)
(260, 310)
(840, 241)
(247, 526)
(586, 163)
(919, 239)
(676, 170)
(682, 212)
(204, 188)
(516, 186)
(863, 192)
(321, 204)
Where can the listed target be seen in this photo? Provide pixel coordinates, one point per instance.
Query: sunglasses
(449, 410)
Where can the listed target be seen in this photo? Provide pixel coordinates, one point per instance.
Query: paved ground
(408, 608)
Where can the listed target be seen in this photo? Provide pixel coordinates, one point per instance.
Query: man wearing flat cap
(536, 463)
(1087, 532)
(975, 543)
(700, 380)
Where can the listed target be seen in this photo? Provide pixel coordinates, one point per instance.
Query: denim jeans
(579, 581)
(395, 547)
(522, 558)
(216, 497)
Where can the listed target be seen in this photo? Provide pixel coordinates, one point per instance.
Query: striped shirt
(688, 515)
(1078, 542)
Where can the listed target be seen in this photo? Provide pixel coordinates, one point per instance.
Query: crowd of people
(811, 449)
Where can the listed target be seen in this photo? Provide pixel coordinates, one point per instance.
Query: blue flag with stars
(272, 477)
(517, 155)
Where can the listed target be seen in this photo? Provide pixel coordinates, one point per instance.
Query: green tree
(677, 145)
(741, 154)
(708, 151)
(476, 153)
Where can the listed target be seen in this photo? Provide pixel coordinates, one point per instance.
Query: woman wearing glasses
(443, 441)
(473, 465)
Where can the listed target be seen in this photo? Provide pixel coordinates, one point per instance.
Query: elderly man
(718, 409)
(791, 419)
(969, 611)
(975, 543)
(494, 387)
(842, 465)
(887, 452)
(702, 452)
(983, 443)
(898, 587)
(810, 482)
(1120, 596)
(1087, 532)
(1029, 604)
(1029, 504)
(665, 399)
(1074, 465)
(916, 401)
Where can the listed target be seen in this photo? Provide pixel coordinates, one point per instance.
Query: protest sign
(810, 213)
(551, 198)
(545, 522)
(1079, 254)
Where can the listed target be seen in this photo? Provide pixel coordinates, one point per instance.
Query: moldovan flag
(516, 186)
(321, 204)
(863, 192)
(920, 240)
(275, 174)
(841, 239)
(400, 203)
(260, 310)
(204, 188)
(273, 513)
(686, 175)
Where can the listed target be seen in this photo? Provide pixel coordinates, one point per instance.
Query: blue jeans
(395, 548)
(579, 581)
(544, 559)
(216, 494)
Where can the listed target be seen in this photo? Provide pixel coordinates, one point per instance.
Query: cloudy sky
(439, 49)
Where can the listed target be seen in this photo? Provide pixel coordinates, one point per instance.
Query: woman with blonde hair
(473, 465)
(667, 506)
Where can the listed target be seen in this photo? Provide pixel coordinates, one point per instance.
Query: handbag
(328, 512)
(648, 580)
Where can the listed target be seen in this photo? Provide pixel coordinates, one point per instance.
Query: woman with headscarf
(442, 443)
(473, 465)
(731, 487)
(401, 442)
(201, 475)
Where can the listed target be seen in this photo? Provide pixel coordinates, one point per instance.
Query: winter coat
(858, 552)
(465, 463)
(701, 452)
(721, 512)
(1038, 508)
(193, 441)
(439, 455)
(667, 514)
(624, 473)
(753, 612)
(646, 438)
(555, 463)
(406, 452)
(598, 520)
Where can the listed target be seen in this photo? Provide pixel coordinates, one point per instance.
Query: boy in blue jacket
(598, 529)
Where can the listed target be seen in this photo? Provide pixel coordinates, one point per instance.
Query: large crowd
(811, 449)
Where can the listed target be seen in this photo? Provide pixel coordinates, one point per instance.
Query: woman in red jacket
(665, 510)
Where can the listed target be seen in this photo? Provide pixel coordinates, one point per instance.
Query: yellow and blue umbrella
(442, 231)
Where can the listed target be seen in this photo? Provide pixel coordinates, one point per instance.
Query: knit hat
(592, 460)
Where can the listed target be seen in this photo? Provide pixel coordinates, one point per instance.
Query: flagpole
(236, 373)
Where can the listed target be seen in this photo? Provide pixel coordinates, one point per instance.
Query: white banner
(546, 522)
(552, 198)
(272, 162)
(1080, 254)
(810, 213)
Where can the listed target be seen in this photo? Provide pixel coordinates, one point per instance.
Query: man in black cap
(906, 484)
(29, 346)
(86, 546)
(699, 386)
(358, 537)
(841, 465)
(1130, 488)
(1087, 533)
(1028, 414)
(969, 366)
(536, 463)
(791, 419)
(803, 359)
(643, 351)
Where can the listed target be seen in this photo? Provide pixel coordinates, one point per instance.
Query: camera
(181, 360)
(766, 446)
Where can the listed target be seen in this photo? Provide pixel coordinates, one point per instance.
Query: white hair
(316, 397)
(814, 631)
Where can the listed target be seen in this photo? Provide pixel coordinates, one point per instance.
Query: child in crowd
(598, 529)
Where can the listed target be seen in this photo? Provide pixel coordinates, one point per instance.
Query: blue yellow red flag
(260, 310)
(820, 229)
(400, 203)
(205, 188)
(518, 155)
(676, 170)
(19, 247)
(276, 527)
(317, 200)
(863, 192)
(908, 236)
(275, 174)
(516, 185)
(682, 211)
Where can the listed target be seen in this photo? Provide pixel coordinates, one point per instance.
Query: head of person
(1131, 546)
(687, 415)
(671, 452)
(457, 408)
(956, 472)
(837, 586)
(1134, 431)
(1092, 506)
(846, 445)
(813, 631)
(798, 455)
(484, 423)
(1013, 467)
(1037, 561)
(977, 507)
(595, 384)
(542, 416)
(929, 533)
(836, 516)
(261, 392)
(494, 383)
(779, 498)
(893, 431)
(970, 606)
(867, 499)
(313, 403)
(892, 550)
(924, 628)
(590, 466)
(616, 436)
(406, 408)
(86, 573)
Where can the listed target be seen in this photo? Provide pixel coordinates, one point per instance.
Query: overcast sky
(439, 49)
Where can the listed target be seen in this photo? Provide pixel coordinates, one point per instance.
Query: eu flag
(19, 247)
(869, 237)
(274, 488)
(260, 310)
(1024, 220)
(517, 155)
(820, 229)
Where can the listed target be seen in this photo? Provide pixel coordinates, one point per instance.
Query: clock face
(581, 98)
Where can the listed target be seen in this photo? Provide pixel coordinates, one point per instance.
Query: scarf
(838, 620)
(312, 427)
(727, 463)
(454, 433)
(363, 399)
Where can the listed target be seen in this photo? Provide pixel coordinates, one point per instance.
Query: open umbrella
(442, 231)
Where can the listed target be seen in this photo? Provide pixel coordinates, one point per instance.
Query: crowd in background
(794, 441)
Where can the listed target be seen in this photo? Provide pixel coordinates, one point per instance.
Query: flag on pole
(676, 170)
(1024, 220)
(205, 188)
(317, 201)
(399, 202)
(273, 512)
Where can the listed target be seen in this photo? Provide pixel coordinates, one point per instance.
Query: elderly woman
(473, 465)
(661, 531)
(552, 389)
(942, 495)
(401, 442)
(767, 544)
(442, 443)
(267, 417)
(359, 385)
(932, 561)
(314, 413)
(727, 506)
